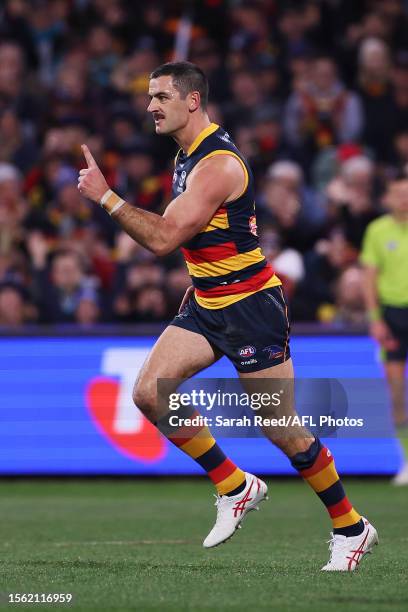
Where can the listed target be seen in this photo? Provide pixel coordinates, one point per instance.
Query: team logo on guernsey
(225, 137)
(247, 351)
(182, 178)
(253, 228)
(392, 245)
(274, 352)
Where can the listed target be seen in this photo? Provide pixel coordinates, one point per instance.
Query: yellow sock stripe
(324, 479)
(231, 482)
(345, 520)
(199, 444)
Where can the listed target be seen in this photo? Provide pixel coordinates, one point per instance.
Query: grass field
(137, 546)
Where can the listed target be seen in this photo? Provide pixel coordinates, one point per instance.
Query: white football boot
(231, 510)
(346, 553)
(401, 479)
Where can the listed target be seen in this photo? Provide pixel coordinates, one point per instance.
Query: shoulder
(220, 139)
(380, 225)
(218, 165)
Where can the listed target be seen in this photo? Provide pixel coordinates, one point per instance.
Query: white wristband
(111, 202)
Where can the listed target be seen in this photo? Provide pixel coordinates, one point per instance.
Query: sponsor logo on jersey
(253, 228)
(247, 351)
(274, 352)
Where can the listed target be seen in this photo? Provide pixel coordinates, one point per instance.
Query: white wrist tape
(111, 202)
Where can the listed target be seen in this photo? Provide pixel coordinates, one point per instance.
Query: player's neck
(187, 135)
(400, 217)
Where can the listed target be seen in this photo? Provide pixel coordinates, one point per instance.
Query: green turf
(137, 545)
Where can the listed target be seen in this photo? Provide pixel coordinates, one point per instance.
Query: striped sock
(316, 466)
(197, 442)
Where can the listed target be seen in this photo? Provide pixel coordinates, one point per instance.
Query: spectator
(349, 304)
(322, 111)
(287, 262)
(15, 311)
(13, 207)
(60, 289)
(246, 97)
(324, 265)
(16, 147)
(87, 312)
(148, 305)
(374, 88)
(351, 198)
(281, 78)
(294, 210)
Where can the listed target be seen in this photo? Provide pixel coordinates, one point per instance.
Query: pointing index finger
(88, 156)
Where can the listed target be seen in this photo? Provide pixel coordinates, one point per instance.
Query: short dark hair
(187, 77)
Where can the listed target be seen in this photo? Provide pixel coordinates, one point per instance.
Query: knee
(145, 398)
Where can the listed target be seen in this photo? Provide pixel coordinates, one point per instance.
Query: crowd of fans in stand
(314, 93)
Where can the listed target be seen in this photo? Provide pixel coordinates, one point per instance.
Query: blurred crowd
(314, 93)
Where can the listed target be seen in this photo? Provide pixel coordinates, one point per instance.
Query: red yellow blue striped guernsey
(224, 259)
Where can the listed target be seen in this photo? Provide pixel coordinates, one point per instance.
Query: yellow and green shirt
(385, 247)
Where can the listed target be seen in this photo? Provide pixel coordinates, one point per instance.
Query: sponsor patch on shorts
(249, 362)
(247, 351)
(273, 352)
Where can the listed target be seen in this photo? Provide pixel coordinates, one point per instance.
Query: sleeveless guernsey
(224, 259)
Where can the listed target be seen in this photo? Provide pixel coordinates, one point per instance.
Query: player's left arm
(212, 182)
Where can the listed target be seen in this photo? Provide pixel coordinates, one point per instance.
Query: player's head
(177, 90)
(66, 270)
(396, 197)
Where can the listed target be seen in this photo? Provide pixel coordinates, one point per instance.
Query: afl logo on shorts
(253, 228)
(247, 351)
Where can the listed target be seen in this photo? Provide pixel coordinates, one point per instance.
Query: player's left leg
(178, 354)
(353, 536)
(395, 361)
(396, 378)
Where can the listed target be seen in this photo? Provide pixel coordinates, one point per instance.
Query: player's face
(396, 198)
(170, 112)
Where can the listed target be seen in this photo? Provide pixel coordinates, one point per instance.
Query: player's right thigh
(178, 354)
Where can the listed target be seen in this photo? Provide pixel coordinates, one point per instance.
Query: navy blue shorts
(397, 321)
(253, 333)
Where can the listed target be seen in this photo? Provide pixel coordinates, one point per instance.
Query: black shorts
(397, 321)
(253, 333)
